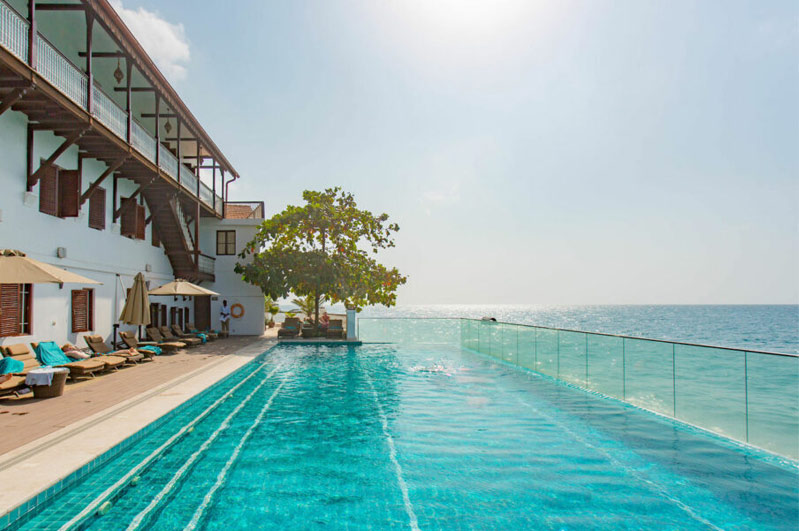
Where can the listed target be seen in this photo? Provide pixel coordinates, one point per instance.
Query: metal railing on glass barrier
(746, 395)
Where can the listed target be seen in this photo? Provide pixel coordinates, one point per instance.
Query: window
(16, 309)
(133, 218)
(59, 192)
(225, 242)
(97, 209)
(82, 310)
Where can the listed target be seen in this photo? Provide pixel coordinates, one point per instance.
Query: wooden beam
(131, 196)
(69, 142)
(111, 169)
(134, 89)
(100, 55)
(60, 7)
(13, 97)
(162, 115)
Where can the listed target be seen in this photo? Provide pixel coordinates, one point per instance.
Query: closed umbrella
(137, 305)
(182, 287)
(17, 268)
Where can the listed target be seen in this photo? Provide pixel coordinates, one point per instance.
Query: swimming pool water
(419, 437)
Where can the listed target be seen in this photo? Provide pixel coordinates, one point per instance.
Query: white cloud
(166, 43)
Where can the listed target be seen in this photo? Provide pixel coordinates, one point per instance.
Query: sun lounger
(99, 346)
(13, 385)
(76, 369)
(335, 329)
(181, 335)
(132, 336)
(109, 362)
(156, 336)
(129, 338)
(290, 328)
(210, 333)
(168, 335)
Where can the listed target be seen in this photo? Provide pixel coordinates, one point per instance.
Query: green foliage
(307, 305)
(323, 249)
(271, 306)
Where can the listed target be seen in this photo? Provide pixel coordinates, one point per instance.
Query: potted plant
(273, 309)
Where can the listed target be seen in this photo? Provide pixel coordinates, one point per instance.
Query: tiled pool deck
(44, 442)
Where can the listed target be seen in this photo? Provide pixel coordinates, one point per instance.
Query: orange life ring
(233, 309)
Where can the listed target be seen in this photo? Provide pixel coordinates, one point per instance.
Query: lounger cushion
(11, 383)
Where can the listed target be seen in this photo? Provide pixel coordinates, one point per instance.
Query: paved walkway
(25, 419)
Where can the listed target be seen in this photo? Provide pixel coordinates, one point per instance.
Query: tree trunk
(316, 309)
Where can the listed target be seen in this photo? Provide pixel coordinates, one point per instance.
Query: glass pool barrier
(745, 395)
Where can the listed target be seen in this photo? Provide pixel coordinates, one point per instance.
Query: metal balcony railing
(206, 264)
(53, 66)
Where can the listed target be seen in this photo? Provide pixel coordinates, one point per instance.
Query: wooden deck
(25, 419)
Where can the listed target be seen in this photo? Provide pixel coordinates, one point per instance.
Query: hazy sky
(532, 152)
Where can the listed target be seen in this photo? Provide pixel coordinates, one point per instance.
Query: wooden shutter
(97, 209)
(128, 216)
(9, 310)
(162, 322)
(141, 222)
(48, 192)
(154, 233)
(68, 193)
(80, 310)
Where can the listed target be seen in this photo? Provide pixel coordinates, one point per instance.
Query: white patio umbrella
(180, 287)
(17, 268)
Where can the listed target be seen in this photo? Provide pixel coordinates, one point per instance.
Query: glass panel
(606, 365)
(773, 389)
(419, 331)
(711, 390)
(650, 382)
(509, 343)
(495, 340)
(526, 347)
(547, 351)
(572, 357)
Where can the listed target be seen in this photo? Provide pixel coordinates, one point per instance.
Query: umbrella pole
(115, 309)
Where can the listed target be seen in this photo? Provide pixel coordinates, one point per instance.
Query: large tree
(324, 249)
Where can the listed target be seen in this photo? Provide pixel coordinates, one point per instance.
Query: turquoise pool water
(418, 437)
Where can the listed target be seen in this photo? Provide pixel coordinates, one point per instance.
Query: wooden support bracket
(13, 97)
(69, 142)
(111, 169)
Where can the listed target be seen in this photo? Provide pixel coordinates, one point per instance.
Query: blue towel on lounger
(10, 366)
(151, 348)
(48, 354)
(203, 337)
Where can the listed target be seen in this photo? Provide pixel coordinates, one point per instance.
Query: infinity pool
(400, 437)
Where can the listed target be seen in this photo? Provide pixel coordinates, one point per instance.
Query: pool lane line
(392, 453)
(220, 480)
(656, 487)
(139, 518)
(124, 480)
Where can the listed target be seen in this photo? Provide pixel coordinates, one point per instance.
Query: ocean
(772, 328)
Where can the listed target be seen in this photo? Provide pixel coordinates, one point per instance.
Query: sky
(569, 152)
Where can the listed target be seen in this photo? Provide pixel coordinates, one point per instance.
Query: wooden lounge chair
(13, 385)
(181, 335)
(210, 333)
(169, 336)
(109, 362)
(168, 346)
(335, 329)
(129, 338)
(290, 328)
(77, 369)
(99, 346)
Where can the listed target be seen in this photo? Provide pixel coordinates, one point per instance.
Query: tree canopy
(324, 249)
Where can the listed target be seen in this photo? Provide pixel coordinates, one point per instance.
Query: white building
(104, 171)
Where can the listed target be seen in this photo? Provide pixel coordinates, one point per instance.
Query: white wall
(99, 255)
(228, 283)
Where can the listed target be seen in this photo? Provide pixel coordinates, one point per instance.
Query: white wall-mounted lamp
(61, 252)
